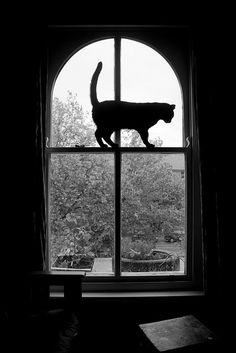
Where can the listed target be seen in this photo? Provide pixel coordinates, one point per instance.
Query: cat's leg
(107, 138)
(98, 135)
(144, 136)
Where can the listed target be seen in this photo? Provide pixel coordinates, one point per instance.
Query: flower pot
(75, 262)
(164, 261)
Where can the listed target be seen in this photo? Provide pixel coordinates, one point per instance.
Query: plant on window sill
(140, 256)
(76, 252)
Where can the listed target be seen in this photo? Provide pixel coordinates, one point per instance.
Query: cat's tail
(93, 85)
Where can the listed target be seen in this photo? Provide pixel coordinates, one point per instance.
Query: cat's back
(126, 106)
(122, 114)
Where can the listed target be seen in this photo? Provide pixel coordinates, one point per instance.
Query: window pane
(71, 120)
(147, 77)
(153, 213)
(81, 212)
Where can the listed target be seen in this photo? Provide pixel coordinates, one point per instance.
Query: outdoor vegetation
(82, 195)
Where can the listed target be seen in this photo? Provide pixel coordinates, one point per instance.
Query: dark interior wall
(22, 55)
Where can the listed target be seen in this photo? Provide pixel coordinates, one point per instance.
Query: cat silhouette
(110, 116)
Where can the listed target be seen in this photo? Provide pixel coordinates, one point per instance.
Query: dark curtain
(23, 216)
(208, 79)
(39, 182)
(211, 86)
(39, 73)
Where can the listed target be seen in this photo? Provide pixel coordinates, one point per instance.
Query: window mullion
(117, 211)
(117, 163)
(117, 79)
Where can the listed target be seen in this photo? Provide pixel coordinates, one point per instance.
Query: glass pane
(147, 77)
(71, 120)
(81, 212)
(153, 213)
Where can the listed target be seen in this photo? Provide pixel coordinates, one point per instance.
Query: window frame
(85, 35)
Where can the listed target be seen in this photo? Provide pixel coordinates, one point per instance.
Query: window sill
(141, 294)
(137, 294)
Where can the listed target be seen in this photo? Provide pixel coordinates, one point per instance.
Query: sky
(146, 76)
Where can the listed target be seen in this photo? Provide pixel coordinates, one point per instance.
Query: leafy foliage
(70, 124)
(81, 200)
(137, 249)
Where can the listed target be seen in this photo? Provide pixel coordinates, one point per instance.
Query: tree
(152, 198)
(70, 124)
(82, 197)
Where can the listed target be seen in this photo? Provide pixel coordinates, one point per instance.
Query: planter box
(71, 261)
(165, 262)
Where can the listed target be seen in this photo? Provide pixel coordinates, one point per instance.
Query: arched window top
(145, 76)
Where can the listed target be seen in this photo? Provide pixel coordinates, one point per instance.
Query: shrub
(137, 249)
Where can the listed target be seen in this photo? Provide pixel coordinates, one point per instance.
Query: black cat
(110, 116)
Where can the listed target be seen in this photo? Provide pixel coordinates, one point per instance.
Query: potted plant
(142, 256)
(76, 252)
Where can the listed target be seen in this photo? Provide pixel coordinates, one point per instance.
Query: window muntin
(188, 224)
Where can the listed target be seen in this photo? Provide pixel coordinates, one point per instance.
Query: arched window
(121, 213)
(145, 76)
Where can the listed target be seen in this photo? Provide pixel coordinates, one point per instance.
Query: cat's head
(169, 113)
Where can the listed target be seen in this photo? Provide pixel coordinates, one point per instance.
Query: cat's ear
(172, 106)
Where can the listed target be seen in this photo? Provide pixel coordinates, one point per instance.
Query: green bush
(137, 249)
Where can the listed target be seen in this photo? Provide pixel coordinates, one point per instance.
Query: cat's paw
(115, 145)
(151, 145)
(79, 146)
